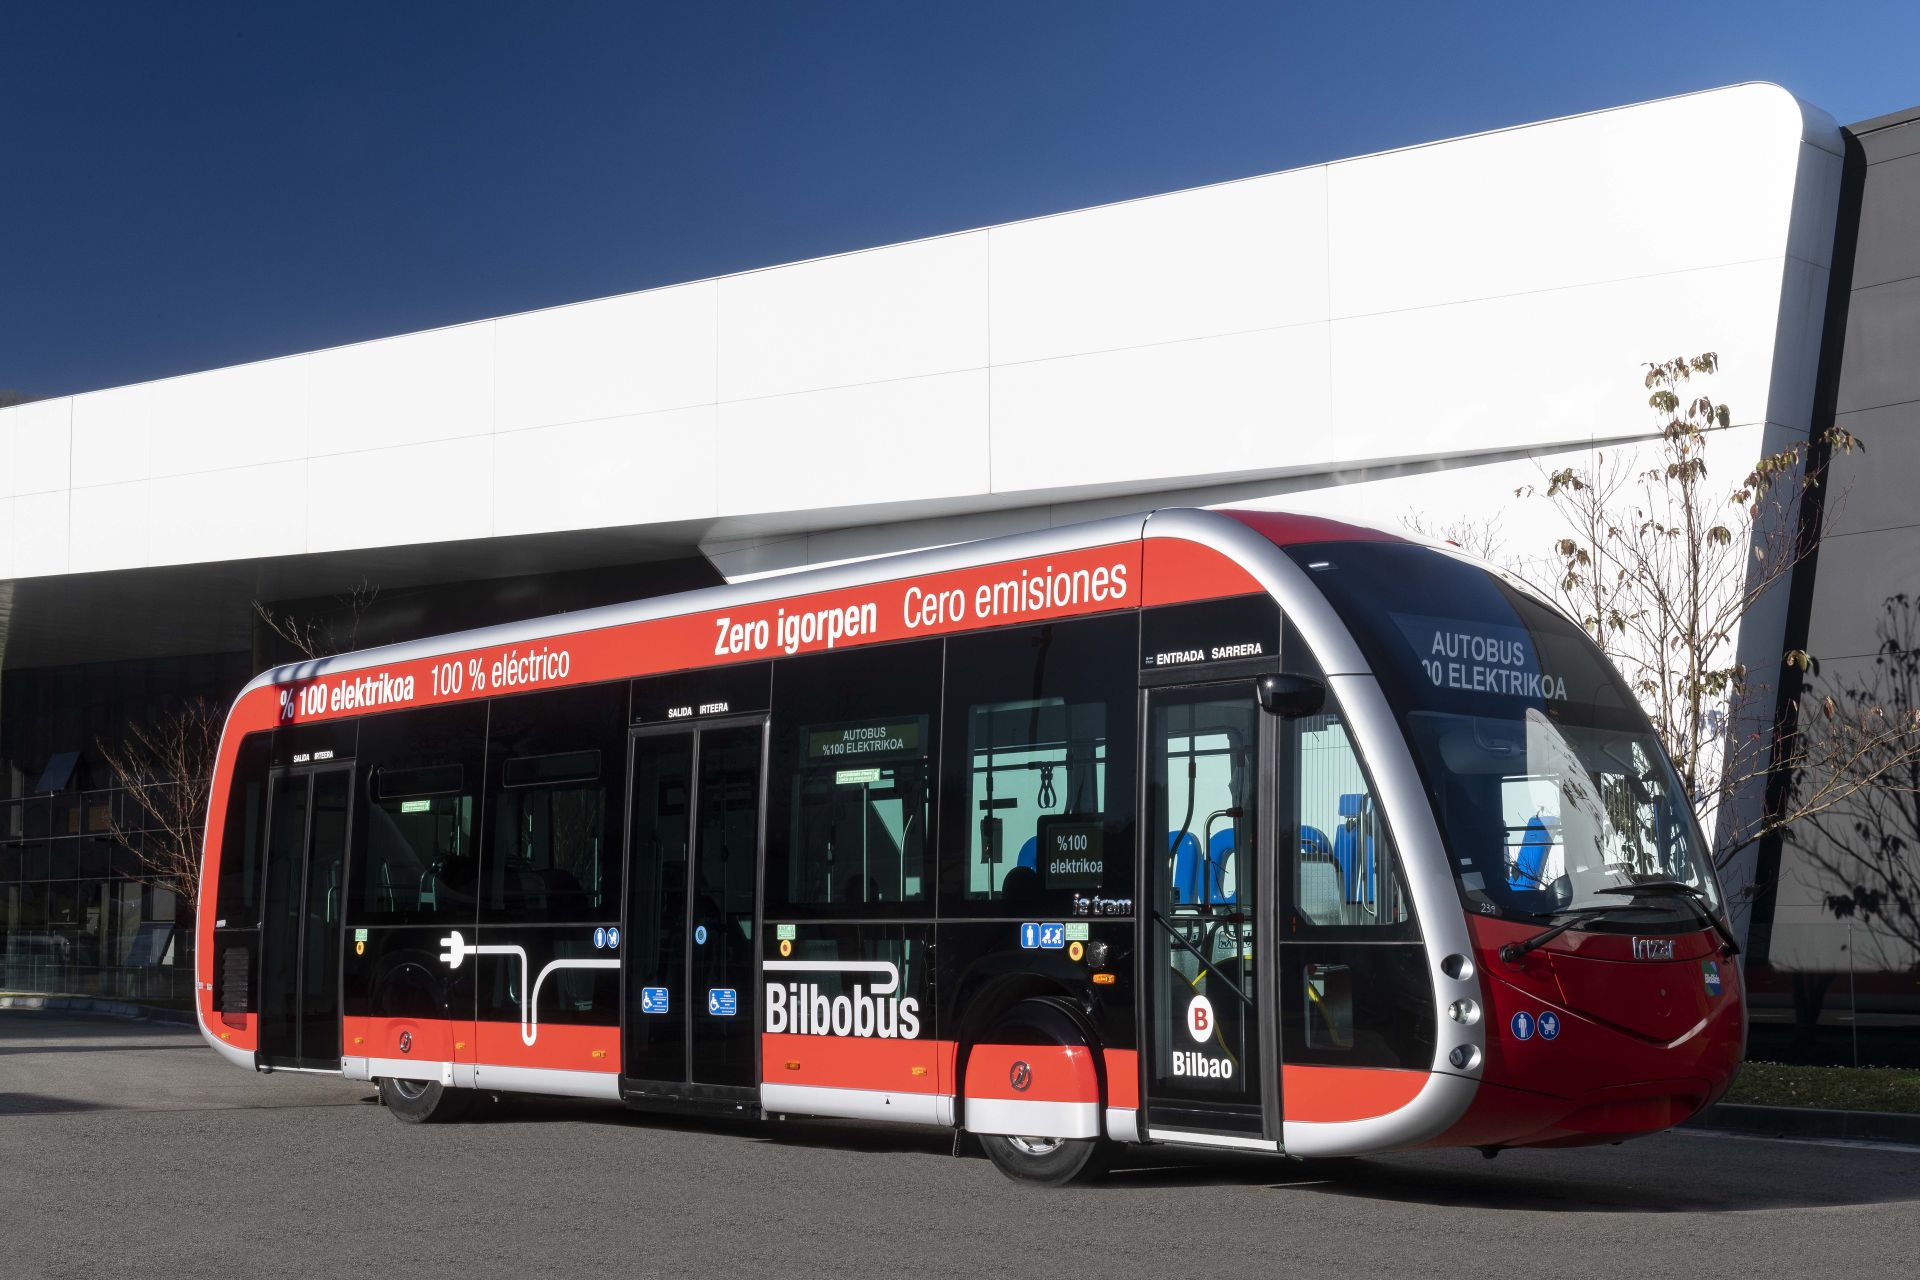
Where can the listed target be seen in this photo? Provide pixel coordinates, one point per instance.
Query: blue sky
(184, 186)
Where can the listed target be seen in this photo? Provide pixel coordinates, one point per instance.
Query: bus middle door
(1210, 1061)
(693, 866)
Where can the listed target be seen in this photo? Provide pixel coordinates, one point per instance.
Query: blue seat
(1029, 854)
(1187, 863)
(1220, 851)
(1186, 867)
(1530, 867)
(1357, 868)
(1314, 842)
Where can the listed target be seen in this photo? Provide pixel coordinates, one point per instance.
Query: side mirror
(1291, 697)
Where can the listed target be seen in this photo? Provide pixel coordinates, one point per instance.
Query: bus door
(690, 1004)
(1209, 1058)
(307, 825)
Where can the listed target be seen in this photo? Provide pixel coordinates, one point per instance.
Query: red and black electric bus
(1235, 829)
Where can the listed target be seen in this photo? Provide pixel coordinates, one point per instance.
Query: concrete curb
(1809, 1122)
(104, 1008)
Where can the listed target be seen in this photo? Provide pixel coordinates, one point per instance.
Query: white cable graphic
(844, 966)
(457, 949)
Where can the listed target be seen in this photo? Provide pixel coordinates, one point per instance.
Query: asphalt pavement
(129, 1149)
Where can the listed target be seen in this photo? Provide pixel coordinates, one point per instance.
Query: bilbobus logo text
(875, 1010)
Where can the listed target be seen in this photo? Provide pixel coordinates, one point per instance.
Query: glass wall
(77, 917)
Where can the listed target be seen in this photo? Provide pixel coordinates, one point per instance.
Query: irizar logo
(1653, 948)
(875, 1012)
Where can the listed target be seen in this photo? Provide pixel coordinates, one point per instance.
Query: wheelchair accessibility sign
(723, 1002)
(653, 999)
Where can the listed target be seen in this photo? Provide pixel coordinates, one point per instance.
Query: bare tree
(1865, 840)
(1660, 566)
(317, 636)
(166, 769)
(1476, 537)
(9, 397)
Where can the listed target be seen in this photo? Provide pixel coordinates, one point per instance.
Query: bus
(1211, 828)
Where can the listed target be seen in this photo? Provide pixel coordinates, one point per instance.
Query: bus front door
(693, 861)
(1210, 1064)
(307, 823)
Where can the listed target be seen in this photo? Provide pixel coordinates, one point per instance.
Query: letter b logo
(1200, 1019)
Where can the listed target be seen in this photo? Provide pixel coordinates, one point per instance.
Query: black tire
(1048, 1162)
(425, 1101)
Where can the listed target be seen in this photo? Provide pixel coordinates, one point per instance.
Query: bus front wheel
(1051, 1162)
(424, 1101)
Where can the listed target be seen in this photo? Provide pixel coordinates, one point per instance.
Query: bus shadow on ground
(848, 1135)
(42, 1104)
(1614, 1181)
(1632, 1178)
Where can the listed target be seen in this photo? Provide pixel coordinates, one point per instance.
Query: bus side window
(1039, 763)
(1346, 869)
(414, 858)
(555, 806)
(851, 792)
(238, 894)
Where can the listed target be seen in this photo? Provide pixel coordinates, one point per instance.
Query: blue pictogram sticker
(699, 935)
(1053, 937)
(653, 999)
(1523, 1025)
(1029, 937)
(1710, 973)
(723, 1002)
(599, 939)
(613, 937)
(1549, 1025)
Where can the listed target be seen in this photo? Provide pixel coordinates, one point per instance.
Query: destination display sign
(882, 738)
(1480, 657)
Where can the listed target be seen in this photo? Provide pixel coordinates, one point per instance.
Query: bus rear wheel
(1048, 1162)
(424, 1101)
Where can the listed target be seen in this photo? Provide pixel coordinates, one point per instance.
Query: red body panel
(1324, 1094)
(1123, 1078)
(1288, 528)
(1642, 1044)
(858, 1062)
(1054, 1073)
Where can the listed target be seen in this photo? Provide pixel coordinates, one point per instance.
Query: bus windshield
(1551, 791)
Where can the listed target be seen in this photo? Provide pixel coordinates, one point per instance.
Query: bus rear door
(690, 1005)
(1210, 1060)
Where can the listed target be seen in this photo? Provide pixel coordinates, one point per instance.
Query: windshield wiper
(1694, 898)
(1514, 952)
(1579, 916)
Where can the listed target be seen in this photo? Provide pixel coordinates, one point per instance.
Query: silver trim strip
(458, 1075)
(1033, 1118)
(567, 1084)
(1212, 1140)
(857, 1104)
(1123, 1124)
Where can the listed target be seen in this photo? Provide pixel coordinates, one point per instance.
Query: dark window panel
(855, 744)
(555, 806)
